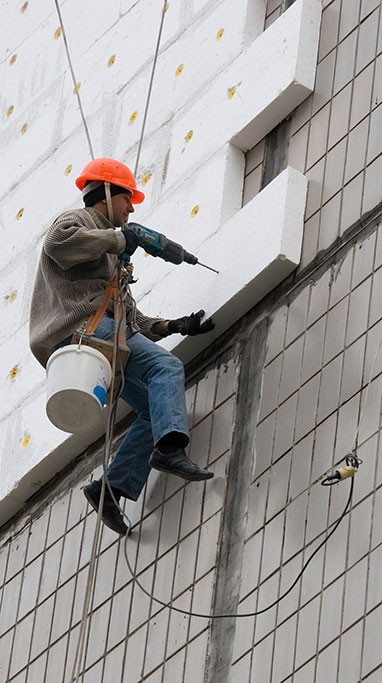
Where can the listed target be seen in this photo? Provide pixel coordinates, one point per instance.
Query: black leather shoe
(111, 516)
(179, 464)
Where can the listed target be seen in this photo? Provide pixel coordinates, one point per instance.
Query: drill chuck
(156, 244)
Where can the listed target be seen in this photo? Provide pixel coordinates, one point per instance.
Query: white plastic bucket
(77, 382)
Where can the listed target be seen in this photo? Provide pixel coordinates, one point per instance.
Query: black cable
(132, 572)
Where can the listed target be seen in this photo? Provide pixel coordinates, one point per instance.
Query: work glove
(190, 324)
(132, 243)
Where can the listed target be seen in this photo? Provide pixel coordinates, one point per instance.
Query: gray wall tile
(291, 369)
(284, 431)
(329, 225)
(350, 655)
(297, 313)
(351, 202)
(374, 579)
(356, 154)
(307, 407)
(324, 81)
(335, 164)
(362, 88)
(318, 135)
(307, 628)
(283, 652)
(313, 349)
(367, 41)
(372, 654)
(374, 147)
(335, 329)
(349, 18)
(319, 297)
(360, 528)
(339, 115)
(372, 191)
(358, 311)
(355, 592)
(346, 52)
(329, 28)
(327, 665)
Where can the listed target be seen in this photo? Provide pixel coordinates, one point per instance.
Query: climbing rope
(76, 89)
(79, 652)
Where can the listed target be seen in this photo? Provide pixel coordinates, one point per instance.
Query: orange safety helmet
(110, 171)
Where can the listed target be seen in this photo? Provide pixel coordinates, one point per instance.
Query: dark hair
(98, 193)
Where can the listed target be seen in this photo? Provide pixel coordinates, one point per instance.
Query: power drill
(156, 244)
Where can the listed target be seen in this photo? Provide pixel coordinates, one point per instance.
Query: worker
(78, 259)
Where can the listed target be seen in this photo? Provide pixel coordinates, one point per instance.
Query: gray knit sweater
(77, 262)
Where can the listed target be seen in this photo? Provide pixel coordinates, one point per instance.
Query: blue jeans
(154, 388)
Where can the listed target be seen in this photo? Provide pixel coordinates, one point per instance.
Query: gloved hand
(190, 324)
(132, 243)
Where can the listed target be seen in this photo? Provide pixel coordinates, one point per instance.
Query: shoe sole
(95, 506)
(181, 475)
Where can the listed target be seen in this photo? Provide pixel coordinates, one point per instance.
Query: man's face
(122, 207)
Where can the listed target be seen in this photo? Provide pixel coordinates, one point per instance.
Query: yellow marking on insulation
(146, 179)
(13, 59)
(111, 61)
(179, 70)
(219, 34)
(19, 214)
(76, 89)
(189, 135)
(14, 372)
(26, 441)
(146, 254)
(133, 117)
(24, 7)
(165, 8)
(24, 129)
(68, 169)
(57, 33)
(231, 92)
(195, 211)
(10, 111)
(12, 296)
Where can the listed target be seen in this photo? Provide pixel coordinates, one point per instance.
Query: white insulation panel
(230, 83)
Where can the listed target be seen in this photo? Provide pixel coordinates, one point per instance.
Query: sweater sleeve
(146, 323)
(69, 242)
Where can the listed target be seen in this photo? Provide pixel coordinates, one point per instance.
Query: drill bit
(209, 267)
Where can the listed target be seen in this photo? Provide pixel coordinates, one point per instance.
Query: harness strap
(110, 294)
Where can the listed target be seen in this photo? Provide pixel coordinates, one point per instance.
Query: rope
(112, 413)
(74, 79)
(164, 10)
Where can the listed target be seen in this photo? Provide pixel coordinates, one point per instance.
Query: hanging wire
(349, 458)
(74, 79)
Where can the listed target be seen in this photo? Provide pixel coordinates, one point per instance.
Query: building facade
(262, 154)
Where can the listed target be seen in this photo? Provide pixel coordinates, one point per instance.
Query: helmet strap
(108, 202)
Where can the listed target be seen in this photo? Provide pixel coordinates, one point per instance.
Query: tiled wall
(336, 137)
(173, 548)
(320, 355)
